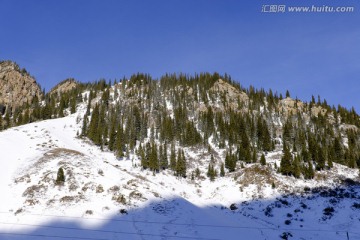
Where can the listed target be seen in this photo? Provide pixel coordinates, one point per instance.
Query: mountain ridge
(100, 186)
(179, 147)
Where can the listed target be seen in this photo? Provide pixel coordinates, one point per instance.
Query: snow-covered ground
(107, 198)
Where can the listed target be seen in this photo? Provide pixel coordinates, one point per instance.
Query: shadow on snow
(318, 213)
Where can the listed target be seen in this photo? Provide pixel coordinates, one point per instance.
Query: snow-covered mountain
(106, 197)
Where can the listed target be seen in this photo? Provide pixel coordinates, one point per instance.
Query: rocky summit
(17, 87)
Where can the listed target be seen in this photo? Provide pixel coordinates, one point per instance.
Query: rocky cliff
(17, 87)
(64, 86)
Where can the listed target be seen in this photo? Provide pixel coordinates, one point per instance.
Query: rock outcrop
(17, 87)
(64, 86)
(235, 98)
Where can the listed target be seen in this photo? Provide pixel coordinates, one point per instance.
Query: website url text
(306, 9)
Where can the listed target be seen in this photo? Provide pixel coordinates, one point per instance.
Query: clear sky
(306, 53)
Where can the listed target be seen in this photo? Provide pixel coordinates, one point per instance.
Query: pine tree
(287, 93)
(112, 137)
(310, 171)
(26, 118)
(102, 127)
(153, 158)
(60, 178)
(73, 105)
(296, 167)
(304, 153)
(164, 159)
(254, 156)
(287, 131)
(89, 104)
(230, 162)
(160, 155)
(222, 170)
(148, 150)
(338, 150)
(350, 157)
(94, 132)
(181, 164)
(227, 161)
(61, 108)
(285, 164)
(20, 119)
(105, 135)
(84, 126)
(211, 172)
(262, 160)
(173, 158)
(120, 141)
(142, 157)
(330, 163)
(7, 119)
(320, 159)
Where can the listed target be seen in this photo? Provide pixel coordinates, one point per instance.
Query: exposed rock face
(64, 86)
(316, 110)
(289, 106)
(17, 87)
(233, 96)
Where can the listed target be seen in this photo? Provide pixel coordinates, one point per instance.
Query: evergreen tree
(351, 159)
(89, 104)
(320, 159)
(296, 167)
(153, 158)
(73, 105)
(173, 158)
(262, 160)
(61, 108)
(142, 157)
(222, 170)
(338, 150)
(164, 159)
(45, 112)
(148, 151)
(84, 126)
(287, 131)
(211, 172)
(287, 93)
(20, 119)
(102, 127)
(94, 132)
(112, 137)
(26, 118)
(309, 173)
(285, 164)
(120, 140)
(181, 164)
(330, 163)
(60, 178)
(230, 162)
(254, 156)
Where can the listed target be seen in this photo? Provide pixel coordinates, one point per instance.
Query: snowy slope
(107, 198)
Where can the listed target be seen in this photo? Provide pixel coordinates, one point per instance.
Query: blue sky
(306, 53)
